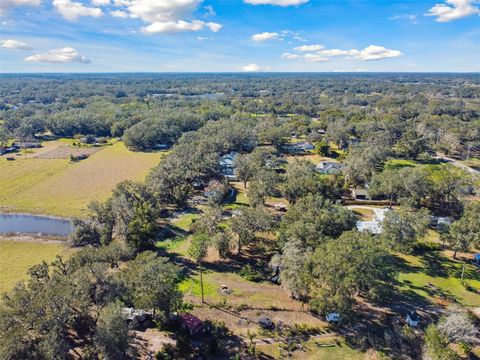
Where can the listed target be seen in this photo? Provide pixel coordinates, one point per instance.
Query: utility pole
(468, 151)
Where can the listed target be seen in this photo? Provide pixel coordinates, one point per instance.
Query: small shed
(360, 194)
(191, 323)
(413, 319)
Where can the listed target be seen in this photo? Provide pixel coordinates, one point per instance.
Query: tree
(355, 263)
(363, 161)
(245, 168)
(294, 273)
(301, 180)
(436, 346)
(152, 283)
(112, 336)
(250, 221)
(465, 232)
(403, 228)
(322, 148)
(198, 252)
(458, 326)
(313, 219)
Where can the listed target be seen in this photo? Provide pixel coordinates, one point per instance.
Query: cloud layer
(318, 53)
(14, 44)
(454, 10)
(71, 10)
(6, 5)
(59, 56)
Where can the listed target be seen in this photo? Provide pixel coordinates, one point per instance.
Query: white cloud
(162, 11)
(309, 48)
(276, 2)
(59, 56)
(374, 52)
(14, 44)
(264, 36)
(253, 68)
(453, 10)
(319, 54)
(167, 16)
(119, 14)
(6, 5)
(209, 11)
(407, 17)
(101, 2)
(71, 10)
(179, 26)
(290, 56)
(315, 57)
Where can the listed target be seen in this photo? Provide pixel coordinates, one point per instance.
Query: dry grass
(18, 256)
(60, 187)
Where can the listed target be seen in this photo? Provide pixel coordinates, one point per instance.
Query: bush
(250, 274)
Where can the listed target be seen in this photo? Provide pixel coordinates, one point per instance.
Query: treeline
(435, 111)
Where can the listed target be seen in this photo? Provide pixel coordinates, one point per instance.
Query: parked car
(266, 323)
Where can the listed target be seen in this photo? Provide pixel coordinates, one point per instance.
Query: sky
(239, 36)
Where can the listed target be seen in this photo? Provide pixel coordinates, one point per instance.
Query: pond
(34, 224)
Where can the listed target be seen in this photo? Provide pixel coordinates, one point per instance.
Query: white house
(330, 167)
(227, 165)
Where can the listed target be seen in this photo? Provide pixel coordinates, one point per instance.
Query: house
(191, 324)
(360, 194)
(333, 317)
(413, 319)
(299, 147)
(373, 226)
(227, 165)
(330, 167)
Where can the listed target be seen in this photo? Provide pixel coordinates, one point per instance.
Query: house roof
(325, 165)
(359, 191)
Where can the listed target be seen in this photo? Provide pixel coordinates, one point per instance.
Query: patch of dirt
(149, 342)
(63, 151)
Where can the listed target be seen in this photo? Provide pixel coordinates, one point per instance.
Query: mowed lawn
(63, 188)
(17, 256)
(436, 277)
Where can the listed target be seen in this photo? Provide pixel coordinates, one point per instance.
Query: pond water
(34, 224)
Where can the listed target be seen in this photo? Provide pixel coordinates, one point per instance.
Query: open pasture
(18, 255)
(46, 185)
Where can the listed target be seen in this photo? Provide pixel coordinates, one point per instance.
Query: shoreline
(25, 237)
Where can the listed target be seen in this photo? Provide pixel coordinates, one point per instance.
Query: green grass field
(60, 187)
(17, 256)
(313, 352)
(435, 277)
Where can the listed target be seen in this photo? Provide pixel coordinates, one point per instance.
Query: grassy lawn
(435, 277)
(17, 256)
(313, 352)
(60, 187)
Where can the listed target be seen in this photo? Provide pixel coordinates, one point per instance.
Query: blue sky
(239, 35)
